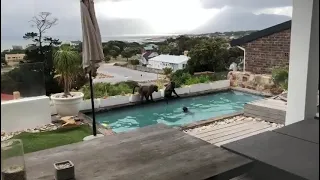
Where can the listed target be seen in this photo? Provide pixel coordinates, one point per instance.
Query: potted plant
(64, 170)
(67, 64)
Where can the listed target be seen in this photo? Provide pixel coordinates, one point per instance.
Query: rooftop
(170, 58)
(262, 33)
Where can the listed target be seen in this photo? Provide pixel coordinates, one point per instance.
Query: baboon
(146, 91)
(169, 90)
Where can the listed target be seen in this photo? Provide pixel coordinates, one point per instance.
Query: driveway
(123, 74)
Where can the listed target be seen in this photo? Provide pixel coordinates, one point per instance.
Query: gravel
(47, 127)
(230, 121)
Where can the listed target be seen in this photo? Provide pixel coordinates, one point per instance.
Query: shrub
(107, 58)
(102, 90)
(181, 77)
(280, 77)
(134, 62)
(217, 76)
(167, 71)
(130, 83)
(197, 80)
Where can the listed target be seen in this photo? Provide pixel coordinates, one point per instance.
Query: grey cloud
(233, 20)
(16, 14)
(246, 4)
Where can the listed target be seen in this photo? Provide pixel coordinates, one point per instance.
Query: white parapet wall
(121, 100)
(220, 84)
(25, 113)
(209, 86)
(114, 100)
(86, 104)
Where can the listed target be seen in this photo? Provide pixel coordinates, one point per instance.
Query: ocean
(7, 43)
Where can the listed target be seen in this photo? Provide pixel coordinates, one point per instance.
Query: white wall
(25, 113)
(304, 61)
(161, 65)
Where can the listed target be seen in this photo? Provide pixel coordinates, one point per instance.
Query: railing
(25, 80)
(23, 101)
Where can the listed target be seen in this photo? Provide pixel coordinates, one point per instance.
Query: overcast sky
(134, 17)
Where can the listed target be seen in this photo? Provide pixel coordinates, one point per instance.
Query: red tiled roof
(6, 97)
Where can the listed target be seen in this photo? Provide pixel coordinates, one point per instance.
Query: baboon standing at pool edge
(146, 91)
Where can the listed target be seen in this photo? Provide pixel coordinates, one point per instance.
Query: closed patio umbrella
(92, 52)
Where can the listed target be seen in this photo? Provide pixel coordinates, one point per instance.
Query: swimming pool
(201, 108)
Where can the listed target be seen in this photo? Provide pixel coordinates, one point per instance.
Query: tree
(127, 53)
(42, 49)
(164, 49)
(3, 61)
(107, 58)
(114, 53)
(42, 22)
(209, 55)
(68, 65)
(167, 71)
(105, 50)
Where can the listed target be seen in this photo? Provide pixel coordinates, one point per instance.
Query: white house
(168, 61)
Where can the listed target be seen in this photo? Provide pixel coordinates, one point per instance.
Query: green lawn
(44, 140)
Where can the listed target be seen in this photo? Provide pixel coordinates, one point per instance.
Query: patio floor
(155, 152)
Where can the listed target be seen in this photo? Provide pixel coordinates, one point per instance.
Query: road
(123, 74)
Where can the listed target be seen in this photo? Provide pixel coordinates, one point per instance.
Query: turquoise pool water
(201, 107)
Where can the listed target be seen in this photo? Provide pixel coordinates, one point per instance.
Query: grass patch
(44, 140)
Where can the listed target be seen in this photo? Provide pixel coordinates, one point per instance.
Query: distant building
(151, 47)
(13, 59)
(75, 43)
(266, 49)
(168, 61)
(17, 48)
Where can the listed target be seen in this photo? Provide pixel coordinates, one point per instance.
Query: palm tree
(67, 63)
(167, 71)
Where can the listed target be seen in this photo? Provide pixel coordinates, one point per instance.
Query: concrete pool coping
(107, 131)
(127, 105)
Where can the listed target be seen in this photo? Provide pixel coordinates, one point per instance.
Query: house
(151, 47)
(266, 49)
(17, 47)
(13, 59)
(75, 43)
(168, 61)
(146, 56)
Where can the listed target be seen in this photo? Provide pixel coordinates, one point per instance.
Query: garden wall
(145, 69)
(124, 100)
(25, 113)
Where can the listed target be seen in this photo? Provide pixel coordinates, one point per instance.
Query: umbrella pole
(94, 128)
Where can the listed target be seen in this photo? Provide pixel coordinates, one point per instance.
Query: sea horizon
(8, 42)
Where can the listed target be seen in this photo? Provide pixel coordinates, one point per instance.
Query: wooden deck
(224, 132)
(271, 110)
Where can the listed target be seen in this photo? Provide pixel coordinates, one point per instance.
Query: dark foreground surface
(291, 152)
(154, 152)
